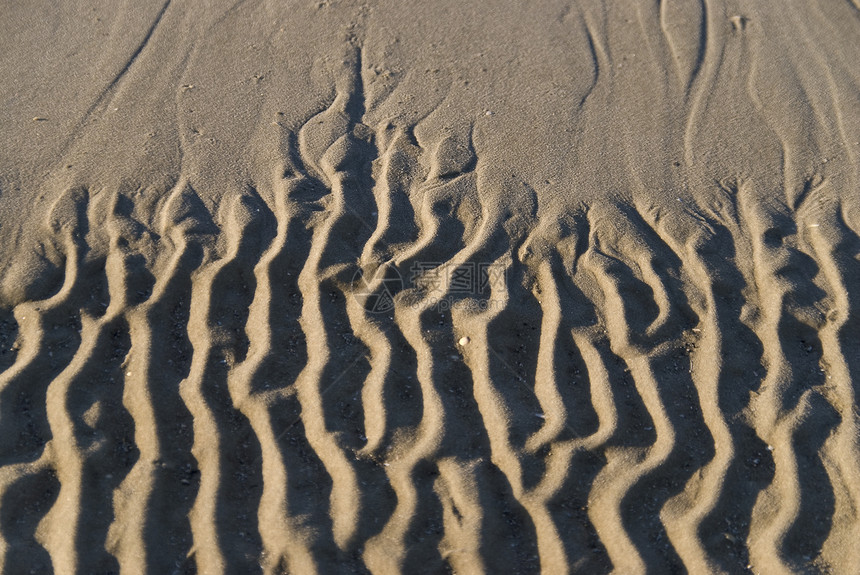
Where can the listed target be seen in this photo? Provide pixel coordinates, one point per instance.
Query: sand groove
(612, 271)
(270, 381)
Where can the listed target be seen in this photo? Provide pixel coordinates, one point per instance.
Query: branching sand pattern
(206, 391)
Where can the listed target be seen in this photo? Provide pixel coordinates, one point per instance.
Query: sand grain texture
(217, 355)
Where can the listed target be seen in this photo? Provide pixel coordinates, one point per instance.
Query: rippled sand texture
(201, 370)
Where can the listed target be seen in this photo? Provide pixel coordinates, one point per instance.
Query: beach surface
(429, 287)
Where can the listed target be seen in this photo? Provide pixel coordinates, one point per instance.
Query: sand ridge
(368, 287)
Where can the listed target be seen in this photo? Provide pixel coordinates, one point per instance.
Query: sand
(423, 287)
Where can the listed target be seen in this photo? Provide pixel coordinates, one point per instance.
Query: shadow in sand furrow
(635, 426)
(159, 511)
(397, 182)
(296, 528)
(447, 425)
(347, 169)
(485, 528)
(441, 231)
(8, 339)
(792, 272)
(27, 492)
(568, 509)
(422, 538)
(234, 283)
(93, 445)
(308, 493)
(337, 369)
(242, 489)
(423, 335)
(462, 521)
(840, 258)
(568, 368)
(744, 372)
(261, 385)
(390, 400)
(338, 149)
(414, 532)
(643, 502)
(724, 529)
(391, 413)
(347, 367)
(639, 538)
(653, 262)
(402, 394)
(508, 379)
(50, 343)
(538, 543)
(806, 536)
(560, 483)
(514, 340)
(517, 527)
(812, 525)
(579, 414)
(152, 531)
(826, 484)
(623, 419)
(549, 421)
(390, 395)
(387, 549)
(789, 314)
(282, 344)
(49, 330)
(378, 504)
(335, 358)
(352, 211)
(836, 247)
(223, 522)
(104, 470)
(537, 473)
(682, 514)
(460, 438)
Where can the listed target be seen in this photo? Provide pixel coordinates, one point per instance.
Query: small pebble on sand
(464, 340)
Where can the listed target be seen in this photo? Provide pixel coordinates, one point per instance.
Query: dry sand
(634, 344)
